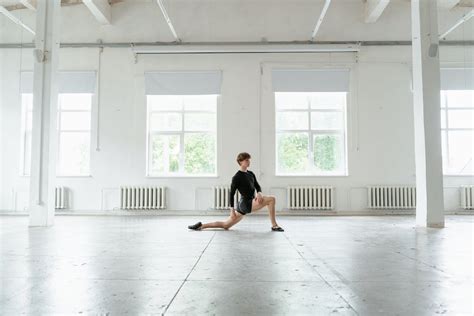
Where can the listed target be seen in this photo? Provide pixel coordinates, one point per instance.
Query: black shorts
(244, 206)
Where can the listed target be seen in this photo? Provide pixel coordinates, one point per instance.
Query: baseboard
(226, 212)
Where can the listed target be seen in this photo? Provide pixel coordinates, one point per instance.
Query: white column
(426, 101)
(44, 134)
(2, 116)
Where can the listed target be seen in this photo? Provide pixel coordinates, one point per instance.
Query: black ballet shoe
(277, 229)
(196, 226)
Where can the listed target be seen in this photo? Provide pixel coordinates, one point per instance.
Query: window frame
(446, 129)
(181, 133)
(312, 170)
(60, 131)
(25, 131)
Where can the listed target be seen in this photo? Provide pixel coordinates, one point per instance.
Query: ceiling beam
(245, 48)
(320, 20)
(100, 9)
(168, 20)
(29, 4)
(464, 19)
(374, 9)
(448, 4)
(132, 45)
(15, 20)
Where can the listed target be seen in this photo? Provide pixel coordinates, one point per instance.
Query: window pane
(29, 121)
(292, 120)
(75, 101)
(75, 121)
(164, 153)
(74, 153)
(461, 118)
(292, 149)
(460, 98)
(291, 100)
(326, 120)
(444, 149)
(460, 152)
(328, 100)
(27, 154)
(199, 122)
(443, 99)
(328, 152)
(165, 102)
(27, 101)
(165, 122)
(200, 153)
(200, 102)
(443, 118)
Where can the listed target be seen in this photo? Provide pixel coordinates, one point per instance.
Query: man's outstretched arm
(233, 188)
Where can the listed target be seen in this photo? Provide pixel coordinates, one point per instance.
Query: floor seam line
(187, 276)
(322, 278)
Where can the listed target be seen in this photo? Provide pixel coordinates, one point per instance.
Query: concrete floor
(154, 265)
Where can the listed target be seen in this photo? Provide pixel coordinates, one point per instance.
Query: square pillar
(427, 111)
(44, 133)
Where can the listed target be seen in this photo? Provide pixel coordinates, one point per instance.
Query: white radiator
(467, 197)
(311, 198)
(391, 197)
(142, 198)
(221, 197)
(60, 198)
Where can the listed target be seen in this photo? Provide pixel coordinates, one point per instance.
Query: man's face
(245, 163)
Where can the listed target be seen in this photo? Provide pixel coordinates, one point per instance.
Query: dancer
(246, 182)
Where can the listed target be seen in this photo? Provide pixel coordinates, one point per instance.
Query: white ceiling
(9, 2)
(238, 20)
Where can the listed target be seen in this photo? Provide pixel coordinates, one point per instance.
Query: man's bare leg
(268, 201)
(233, 219)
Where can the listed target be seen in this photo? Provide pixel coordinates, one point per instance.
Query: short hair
(242, 156)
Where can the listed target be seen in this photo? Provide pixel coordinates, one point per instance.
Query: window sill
(89, 176)
(180, 176)
(65, 176)
(312, 175)
(458, 175)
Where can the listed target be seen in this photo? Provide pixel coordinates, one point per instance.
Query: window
(457, 120)
(310, 133)
(182, 138)
(182, 123)
(76, 90)
(310, 121)
(457, 131)
(74, 134)
(26, 127)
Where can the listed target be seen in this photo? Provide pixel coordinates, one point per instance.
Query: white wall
(380, 115)
(2, 152)
(380, 126)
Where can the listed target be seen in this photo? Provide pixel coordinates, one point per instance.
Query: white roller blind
(310, 80)
(457, 78)
(183, 83)
(69, 82)
(77, 82)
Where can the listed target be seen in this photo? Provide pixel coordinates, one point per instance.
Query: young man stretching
(246, 182)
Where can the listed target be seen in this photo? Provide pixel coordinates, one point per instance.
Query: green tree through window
(199, 153)
(293, 152)
(182, 135)
(310, 133)
(326, 152)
